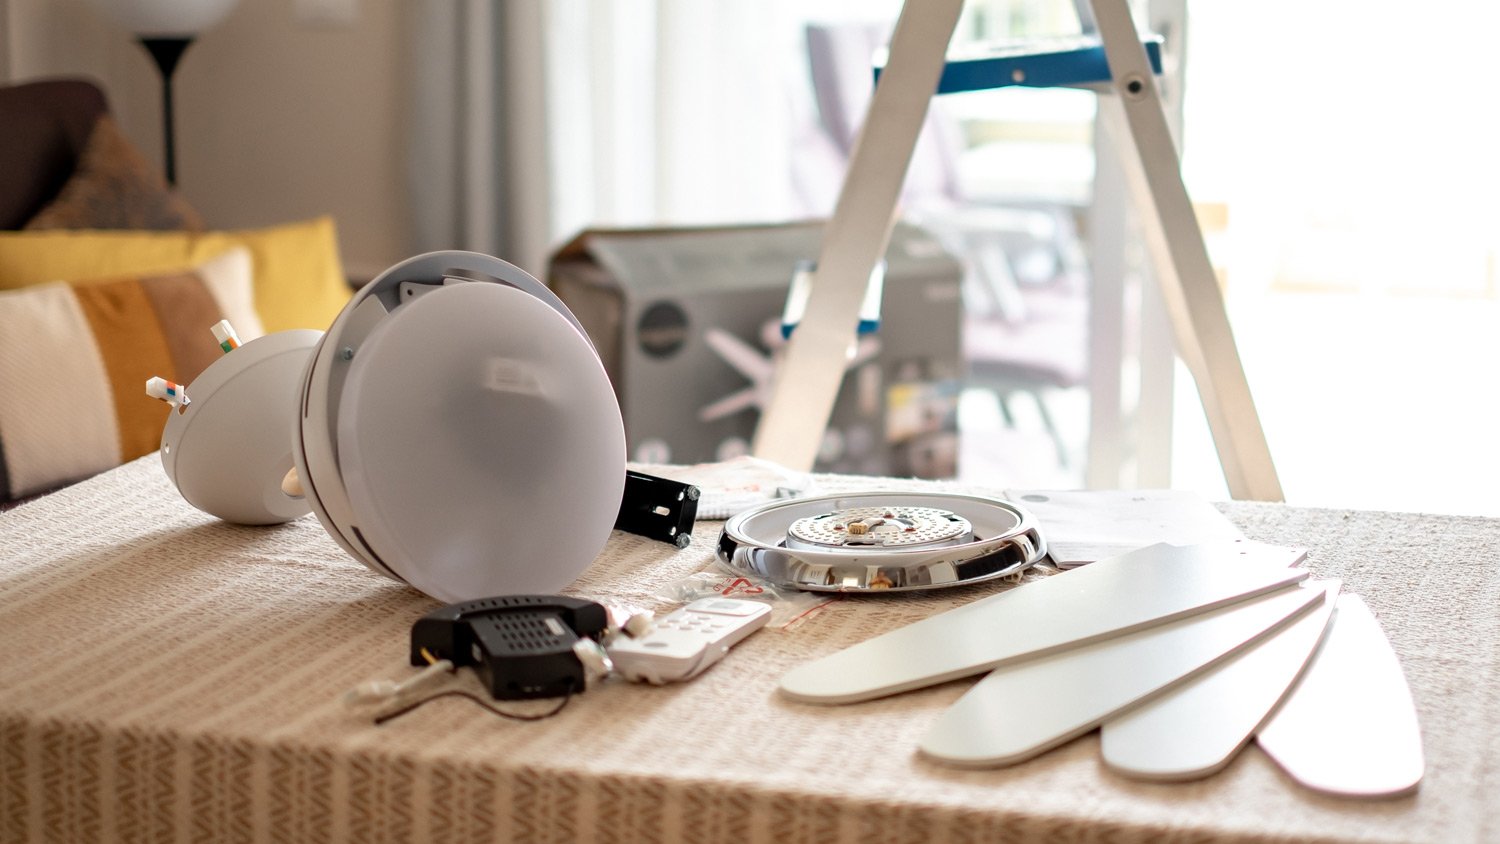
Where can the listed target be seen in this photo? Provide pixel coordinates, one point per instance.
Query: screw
(347, 353)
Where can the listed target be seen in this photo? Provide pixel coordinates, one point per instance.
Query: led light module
(881, 541)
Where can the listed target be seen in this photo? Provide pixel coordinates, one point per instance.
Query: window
(1349, 155)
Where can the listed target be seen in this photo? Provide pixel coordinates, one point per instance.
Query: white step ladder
(856, 235)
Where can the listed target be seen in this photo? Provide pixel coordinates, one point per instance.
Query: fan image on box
(759, 367)
(689, 323)
(457, 432)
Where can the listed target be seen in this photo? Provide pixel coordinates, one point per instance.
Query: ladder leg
(808, 377)
(1194, 301)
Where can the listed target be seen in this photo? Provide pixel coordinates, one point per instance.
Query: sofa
(47, 126)
(109, 277)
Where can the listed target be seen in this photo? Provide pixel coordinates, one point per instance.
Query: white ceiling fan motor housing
(457, 431)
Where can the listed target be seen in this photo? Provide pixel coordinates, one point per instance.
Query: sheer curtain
(452, 132)
(532, 120)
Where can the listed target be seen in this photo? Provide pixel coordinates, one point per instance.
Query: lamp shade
(165, 18)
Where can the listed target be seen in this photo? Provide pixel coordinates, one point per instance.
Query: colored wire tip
(225, 335)
(168, 391)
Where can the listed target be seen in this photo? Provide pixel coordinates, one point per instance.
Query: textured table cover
(168, 677)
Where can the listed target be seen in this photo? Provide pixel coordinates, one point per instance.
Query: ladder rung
(1063, 62)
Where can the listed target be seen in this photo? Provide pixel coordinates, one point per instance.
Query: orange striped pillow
(74, 359)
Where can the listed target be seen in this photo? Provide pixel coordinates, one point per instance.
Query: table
(166, 676)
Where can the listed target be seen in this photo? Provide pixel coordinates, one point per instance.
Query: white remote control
(688, 640)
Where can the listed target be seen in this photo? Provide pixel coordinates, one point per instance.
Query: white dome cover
(458, 432)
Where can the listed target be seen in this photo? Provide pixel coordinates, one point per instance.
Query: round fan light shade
(458, 432)
(227, 451)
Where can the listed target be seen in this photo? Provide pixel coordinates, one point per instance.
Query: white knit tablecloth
(168, 677)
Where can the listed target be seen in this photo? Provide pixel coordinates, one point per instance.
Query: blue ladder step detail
(1077, 60)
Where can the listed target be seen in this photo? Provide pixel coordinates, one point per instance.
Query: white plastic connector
(596, 662)
(376, 691)
(639, 624)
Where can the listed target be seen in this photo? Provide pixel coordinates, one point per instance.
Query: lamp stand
(166, 52)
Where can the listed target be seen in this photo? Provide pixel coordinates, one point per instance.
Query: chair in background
(1025, 284)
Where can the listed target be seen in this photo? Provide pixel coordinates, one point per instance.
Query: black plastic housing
(658, 508)
(521, 646)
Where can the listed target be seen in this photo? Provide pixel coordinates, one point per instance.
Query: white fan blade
(1349, 726)
(1198, 727)
(1021, 710)
(1121, 594)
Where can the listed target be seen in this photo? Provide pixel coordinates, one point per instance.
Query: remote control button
(725, 606)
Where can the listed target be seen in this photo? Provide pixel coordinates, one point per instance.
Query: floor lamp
(165, 28)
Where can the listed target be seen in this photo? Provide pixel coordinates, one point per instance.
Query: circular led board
(881, 541)
(884, 527)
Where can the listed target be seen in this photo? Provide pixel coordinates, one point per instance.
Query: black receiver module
(522, 646)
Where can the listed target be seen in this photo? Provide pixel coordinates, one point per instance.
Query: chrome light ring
(896, 541)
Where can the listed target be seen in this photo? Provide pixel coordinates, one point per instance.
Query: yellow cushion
(299, 282)
(74, 359)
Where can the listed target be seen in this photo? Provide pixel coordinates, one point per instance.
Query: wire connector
(379, 691)
(168, 391)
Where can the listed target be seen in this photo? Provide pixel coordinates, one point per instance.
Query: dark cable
(517, 716)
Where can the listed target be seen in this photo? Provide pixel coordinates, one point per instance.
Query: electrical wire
(516, 716)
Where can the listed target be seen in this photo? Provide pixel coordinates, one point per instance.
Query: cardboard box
(687, 322)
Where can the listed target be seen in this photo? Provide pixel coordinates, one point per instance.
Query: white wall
(277, 119)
